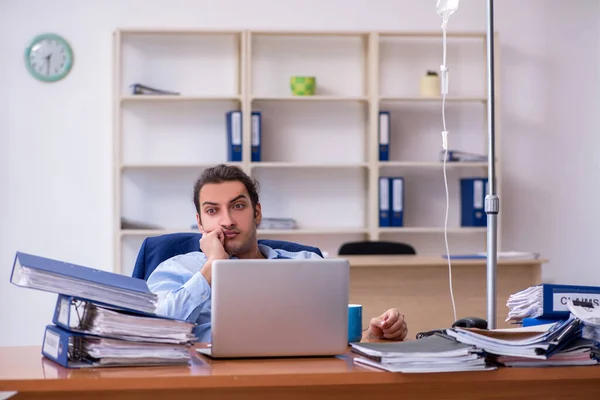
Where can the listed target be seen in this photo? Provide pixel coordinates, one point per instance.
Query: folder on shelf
(384, 201)
(256, 135)
(384, 135)
(549, 301)
(397, 201)
(77, 350)
(60, 277)
(234, 135)
(472, 197)
(95, 318)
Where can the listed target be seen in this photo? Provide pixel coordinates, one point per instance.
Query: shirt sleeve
(182, 293)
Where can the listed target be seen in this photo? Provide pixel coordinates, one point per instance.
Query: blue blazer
(157, 249)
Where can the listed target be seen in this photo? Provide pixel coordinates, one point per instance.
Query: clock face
(49, 58)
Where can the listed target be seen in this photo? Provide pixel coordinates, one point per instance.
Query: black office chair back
(376, 248)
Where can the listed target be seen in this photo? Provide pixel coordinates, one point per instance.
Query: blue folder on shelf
(384, 135)
(256, 135)
(61, 277)
(234, 135)
(472, 199)
(385, 218)
(397, 201)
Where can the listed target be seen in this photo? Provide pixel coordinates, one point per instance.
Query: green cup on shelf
(303, 85)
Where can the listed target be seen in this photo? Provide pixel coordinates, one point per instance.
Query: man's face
(227, 206)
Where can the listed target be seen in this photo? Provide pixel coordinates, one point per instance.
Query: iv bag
(445, 8)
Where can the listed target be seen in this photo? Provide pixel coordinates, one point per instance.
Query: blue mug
(354, 323)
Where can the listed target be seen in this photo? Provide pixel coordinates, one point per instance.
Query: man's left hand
(389, 325)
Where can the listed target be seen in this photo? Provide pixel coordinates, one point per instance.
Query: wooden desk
(419, 286)
(24, 370)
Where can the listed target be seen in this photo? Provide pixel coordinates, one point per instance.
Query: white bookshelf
(320, 161)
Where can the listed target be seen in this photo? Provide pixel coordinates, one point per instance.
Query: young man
(228, 213)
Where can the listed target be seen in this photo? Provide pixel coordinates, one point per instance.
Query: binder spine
(384, 135)
(73, 314)
(56, 345)
(397, 201)
(256, 135)
(384, 202)
(473, 192)
(62, 312)
(65, 347)
(234, 136)
(554, 300)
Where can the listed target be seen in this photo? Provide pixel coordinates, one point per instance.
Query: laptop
(279, 308)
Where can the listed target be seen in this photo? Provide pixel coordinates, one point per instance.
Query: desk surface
(24, 370)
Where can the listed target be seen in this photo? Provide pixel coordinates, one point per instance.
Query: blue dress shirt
(183, 292)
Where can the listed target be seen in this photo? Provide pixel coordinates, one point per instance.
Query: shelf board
(316, 231)
(433, 164)
(177, 98)
(176, 31)
(177, 166)
(308, 33)
(310, 98)
(416, 99)
(432, 229)
(278, 232)
(306, 165)
(433, 34)
(153, 232)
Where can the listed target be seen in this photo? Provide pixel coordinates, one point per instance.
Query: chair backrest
(156, 249)
(376, 248)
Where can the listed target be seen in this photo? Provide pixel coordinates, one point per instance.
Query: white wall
(55, 140)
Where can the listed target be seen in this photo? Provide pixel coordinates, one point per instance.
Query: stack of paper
(83, 316)
(577, 352)
(560, 343)
(589, 315)
(102, 318)
(78, 350)
(436, 353)
(278, 223)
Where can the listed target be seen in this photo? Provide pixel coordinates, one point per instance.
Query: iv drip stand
(492, 201)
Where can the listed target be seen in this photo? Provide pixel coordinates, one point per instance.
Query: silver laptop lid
(279, 307)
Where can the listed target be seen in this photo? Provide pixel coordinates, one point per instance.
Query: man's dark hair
(226, 173)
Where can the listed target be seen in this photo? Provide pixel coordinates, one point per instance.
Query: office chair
(375, 248)
(156, 249)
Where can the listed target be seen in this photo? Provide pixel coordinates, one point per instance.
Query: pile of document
(278, 223)
(102, 319)
(435, 353)
(559, 343)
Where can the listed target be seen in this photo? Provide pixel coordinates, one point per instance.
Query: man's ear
(257, 214)
(199, 222)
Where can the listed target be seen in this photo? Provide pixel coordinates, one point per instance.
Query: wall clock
(49, 57)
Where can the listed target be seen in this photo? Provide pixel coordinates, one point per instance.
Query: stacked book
(102, 319)
(435, 353)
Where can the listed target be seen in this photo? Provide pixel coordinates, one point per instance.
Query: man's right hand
(212, 245)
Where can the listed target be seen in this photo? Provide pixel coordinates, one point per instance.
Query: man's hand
(212, 245)
(389, 325)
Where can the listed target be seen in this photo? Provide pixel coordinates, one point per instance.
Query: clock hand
(48, 64)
